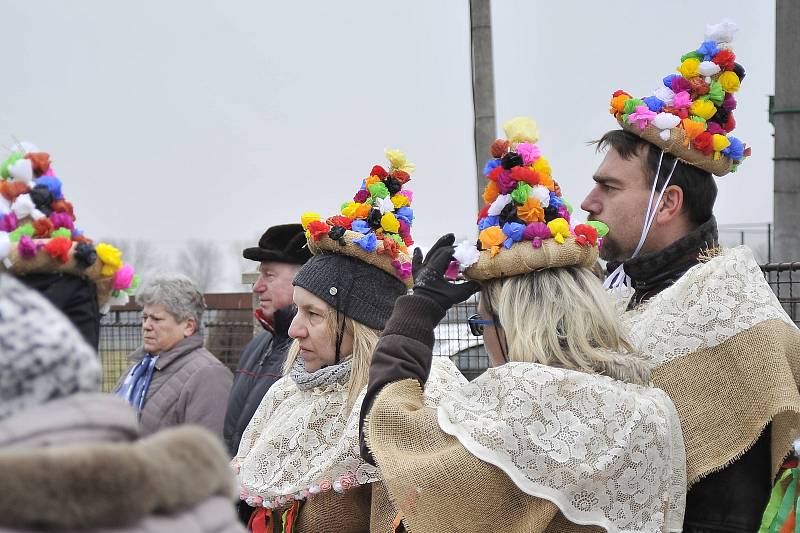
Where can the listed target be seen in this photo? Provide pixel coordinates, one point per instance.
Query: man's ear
(671, 205)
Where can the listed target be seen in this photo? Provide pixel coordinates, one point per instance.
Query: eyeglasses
(476, 324)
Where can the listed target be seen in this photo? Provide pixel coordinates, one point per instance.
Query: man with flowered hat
(562, 434)
(298, 461)
(715, 335)
(40, 244)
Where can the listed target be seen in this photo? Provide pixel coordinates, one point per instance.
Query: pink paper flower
(682, 100)
(642, 116)
(529, 152)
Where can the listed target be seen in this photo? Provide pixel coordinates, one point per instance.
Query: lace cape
(708, 305)
(606, 452)
(302, 443)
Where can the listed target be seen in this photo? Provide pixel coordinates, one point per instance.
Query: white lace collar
(605, 452)
(708, 305)
(301, 443)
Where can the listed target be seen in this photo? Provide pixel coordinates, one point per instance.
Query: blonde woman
(561, 435)
(298, 461)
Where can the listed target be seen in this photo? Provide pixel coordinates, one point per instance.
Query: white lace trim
(301, 443)
(711, 303)
(605, 452)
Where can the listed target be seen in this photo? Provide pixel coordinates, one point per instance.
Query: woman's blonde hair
(365, 339)
(563, 317)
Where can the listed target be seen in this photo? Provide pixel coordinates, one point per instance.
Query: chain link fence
(228, 327)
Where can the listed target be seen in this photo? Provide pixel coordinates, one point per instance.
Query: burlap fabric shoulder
(678, 146)
(725, 351)
(522, 258)
(438, 485)
(376, 259)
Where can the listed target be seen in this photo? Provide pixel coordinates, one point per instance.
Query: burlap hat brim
(679, 147)
(43, 263)
(523, 258)
(377, 258)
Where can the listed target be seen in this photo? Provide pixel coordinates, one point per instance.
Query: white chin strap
(618, 278)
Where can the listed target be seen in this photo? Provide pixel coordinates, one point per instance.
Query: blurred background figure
(63, 441)
(281, 251)
(173, 379)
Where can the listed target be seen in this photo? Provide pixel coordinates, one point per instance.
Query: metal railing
(228, 327)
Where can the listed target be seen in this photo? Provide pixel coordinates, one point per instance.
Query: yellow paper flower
(389, 223)
(349, 210)
(729, 81)
(398, 161)
(542, 166)
(399, 200)
(703, 108)
(521, 129)
(720, 142)
(307, 217)
(690, 68)
(560, 229)
(111, 258)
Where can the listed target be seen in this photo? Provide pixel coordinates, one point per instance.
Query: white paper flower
(25, 147)
(5, 205)
(385, 205)
(5, 245)
(723, 32)
(21, 170)
(23, 206)
(121, 299)
(467, 254)
(708, 68)
(664, 134)
(665, 121)
(36, 214)
(665, 94)
(541, 193)
(498, 205)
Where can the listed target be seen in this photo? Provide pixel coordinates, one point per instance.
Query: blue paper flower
(490, 165)
(360, 226)
(53, 184)
(368, 242)
(708, 49)
(405, 214)
(488, 222)
(735, 150)
(654, 104)
(514, 232)
(668, 80)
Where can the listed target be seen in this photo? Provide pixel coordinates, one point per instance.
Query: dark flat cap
(285, 243)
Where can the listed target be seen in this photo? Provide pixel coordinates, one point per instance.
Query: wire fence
(228, 327)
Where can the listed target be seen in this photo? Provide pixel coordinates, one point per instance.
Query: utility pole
(785, 116)
(480, 14)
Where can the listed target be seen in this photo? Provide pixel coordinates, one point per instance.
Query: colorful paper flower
(499, 203)
(26, 247)
(642, 116)
(360, 226)
(390, 223)
(368, 242)
(513, 232)
(58, 248)
(585, 235)
(689, 68)
(729, 81)
(529, 152)
(559, 227)
(398, 161)
(531, 211)
(467, 254)
(498, 149)
(491, 192)
(305, 218)
(490, 165)
(521, 129)
(403, 269)
(703, 108)
(521, 192)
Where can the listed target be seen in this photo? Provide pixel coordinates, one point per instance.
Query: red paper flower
(59, 248)
(499, 148)
(620, 92)
(341, 221)
(525, 174)
(10, 190)
(585, 235)
(730, 124)
(724, 59)
(390, 247)
(682, 113)
(42, 228)
(318, 229)
(40, 162)
(379, 171)
(62, 206)
(401, 175)
(704, 143)
(407, 240)
(699, 87)
(361, 196)
(483, 213)
(494, 174)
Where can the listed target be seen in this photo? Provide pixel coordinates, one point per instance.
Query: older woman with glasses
(173, 379)
(562, 434)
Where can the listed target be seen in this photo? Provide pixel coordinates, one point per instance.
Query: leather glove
(429, 280)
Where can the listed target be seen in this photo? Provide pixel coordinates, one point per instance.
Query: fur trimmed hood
(84, 485)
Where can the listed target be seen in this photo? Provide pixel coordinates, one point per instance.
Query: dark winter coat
(260, 365)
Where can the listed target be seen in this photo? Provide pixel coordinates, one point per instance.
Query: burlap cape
(725, 351)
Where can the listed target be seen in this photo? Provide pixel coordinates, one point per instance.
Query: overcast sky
(177, 120)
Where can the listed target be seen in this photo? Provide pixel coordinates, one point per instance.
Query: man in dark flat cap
(281, 251)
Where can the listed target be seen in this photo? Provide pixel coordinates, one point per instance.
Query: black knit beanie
(358, 290)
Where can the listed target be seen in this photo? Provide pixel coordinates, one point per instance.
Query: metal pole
(480, 13)
(786, 118)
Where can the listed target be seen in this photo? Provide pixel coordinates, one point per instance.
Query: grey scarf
(328, 375)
